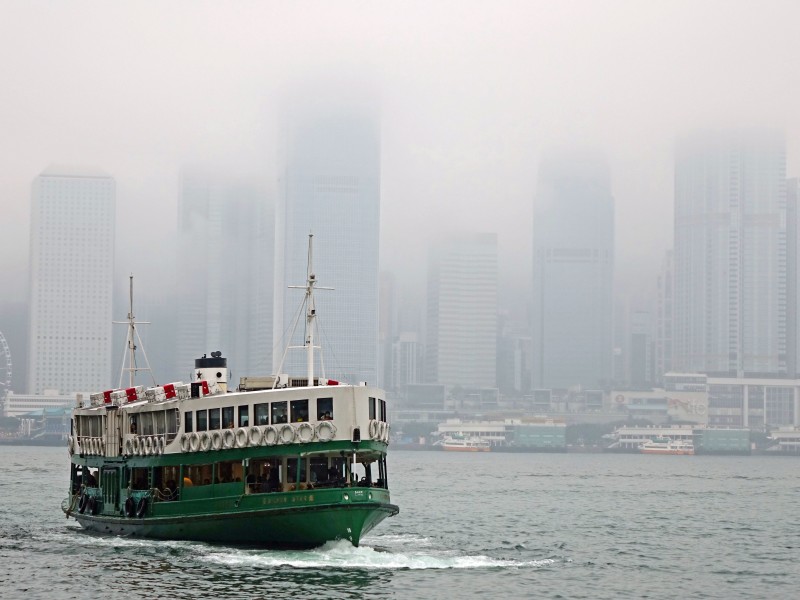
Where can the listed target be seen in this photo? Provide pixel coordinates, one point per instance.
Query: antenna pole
(310, 312)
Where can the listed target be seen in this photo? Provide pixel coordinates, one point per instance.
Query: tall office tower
(461, 344)
(226, 257)
(387, 325)
(663, 326)
(792, 277)
(730, 254)
(330, 187)
(573, 274)
(71, 281)
(640, 354)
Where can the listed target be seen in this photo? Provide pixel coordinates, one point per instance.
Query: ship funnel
(213, 370)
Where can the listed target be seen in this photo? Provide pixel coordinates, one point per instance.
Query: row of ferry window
(268, 413)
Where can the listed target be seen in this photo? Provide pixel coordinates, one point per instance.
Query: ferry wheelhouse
(279, 462)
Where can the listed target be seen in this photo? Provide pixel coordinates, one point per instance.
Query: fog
(472, 95)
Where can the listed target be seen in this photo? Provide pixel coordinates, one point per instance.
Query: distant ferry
(667, 446)
(280, 462)
(464, 444)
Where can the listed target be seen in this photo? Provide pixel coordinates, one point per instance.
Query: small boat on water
(667, 446)
(278, 462)
(464, 444)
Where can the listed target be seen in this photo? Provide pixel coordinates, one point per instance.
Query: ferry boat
(278, 462)
(667, 446)
(464, 444)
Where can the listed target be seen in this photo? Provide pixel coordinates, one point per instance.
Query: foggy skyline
(472, 96)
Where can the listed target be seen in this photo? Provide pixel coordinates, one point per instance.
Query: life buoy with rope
(270, 435)
(128, 446)
(386, 432)
(136, 445)
(185, 442)
(374, 426)
(130, 507)
(194, 442)
(141, 507)
(216, 440)
(288, 433)
(305, 432)
(71, 445)
(205, 441)
(326, 431)
(161, 444)
(148, 446)
(228, 439)
(255, 436)
(241, 437)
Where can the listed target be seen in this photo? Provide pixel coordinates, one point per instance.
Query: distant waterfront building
(792, 277)
(730, 255)
(226, 261)
(407, 360)
(330, 186)
(573, 274)
(71, 281)
(18, 405)
(663, 326)
(462, 311)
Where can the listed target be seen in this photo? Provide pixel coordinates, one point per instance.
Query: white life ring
(135, 445)
(270, 435)
(185, 442)
(97, 446)
(89, 446)
(205, 441)
(194, 442)
(386, 433)
(374, 428)
(305, 432)
(228, 439)
(241, 437)
(288, 433)
(161, 444)
(71, 445)
(148, 446)
(129, 446)
(101, 448)
(216, 440)
(326, 431)
(255, 436)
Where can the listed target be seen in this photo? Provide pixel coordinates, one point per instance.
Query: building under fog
(573, 273)
(71, 281)
(330, 186)
(461, 346)
(730, 255)
(225, 262)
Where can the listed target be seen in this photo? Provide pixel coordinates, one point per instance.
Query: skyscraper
(730, 254)
(461, 344)
(792, 277)
(71, 281)
(573, 274)
(225, 234)
(664, 318)
(330, 187)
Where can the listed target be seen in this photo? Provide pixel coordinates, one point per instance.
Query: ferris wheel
(5, 372)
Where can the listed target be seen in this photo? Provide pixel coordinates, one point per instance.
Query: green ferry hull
(295, 527)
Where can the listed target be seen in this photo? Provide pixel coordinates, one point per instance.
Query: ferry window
(372, 408)
(299, 411)
(172, 420)
(197, 475)
(202, 420)
(213, 418)
(160, 423)
(318, 468)
(244, 416)
(383, 409)
(264, 475)
(227, 417)
(292, 471)
(324, 409)
(146, 423)
(262, 414)
(133, 424)
(187, 419)
(279, 412)
(229, 471)
(139, 479)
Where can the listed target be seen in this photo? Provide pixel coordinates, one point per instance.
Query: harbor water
(471, 525)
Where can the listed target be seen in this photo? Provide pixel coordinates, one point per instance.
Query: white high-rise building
(330, 187)
(730, 255)
(226, 261)
(71, 281)
(461, 344)
(573, 274)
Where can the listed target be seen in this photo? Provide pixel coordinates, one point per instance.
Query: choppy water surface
(483, 525)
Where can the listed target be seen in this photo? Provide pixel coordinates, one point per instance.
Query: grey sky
(472, 94)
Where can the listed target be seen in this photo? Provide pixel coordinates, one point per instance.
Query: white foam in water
(343, 555)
